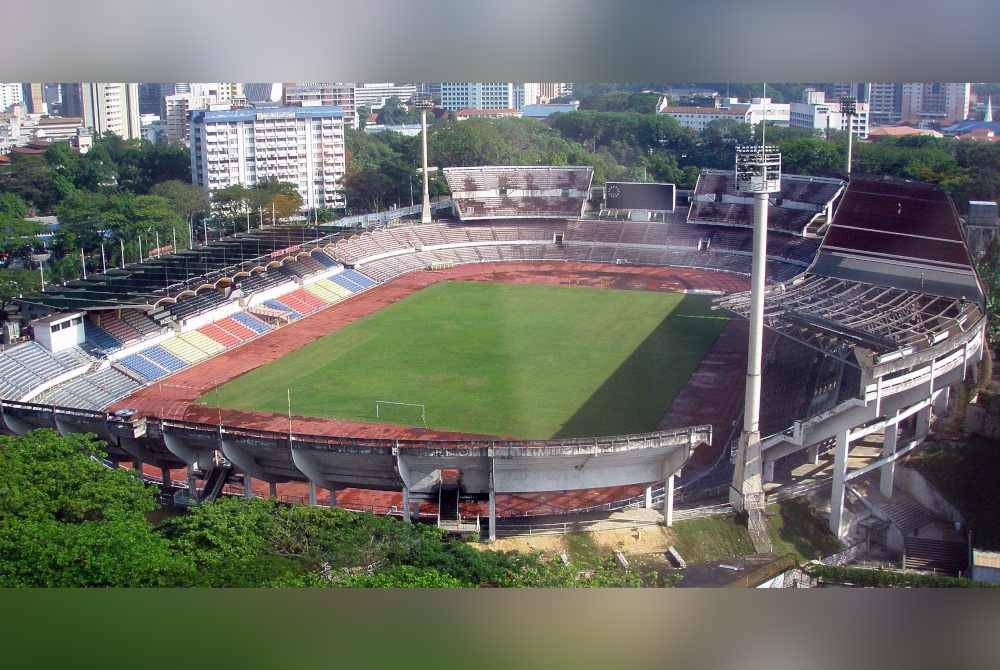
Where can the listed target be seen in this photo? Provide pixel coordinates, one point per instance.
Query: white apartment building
(818, 114)
(111, 107)
(935, 103)
(302, 145)
(373, 96)
(699, 118)
(327, 94)
(456, 95)
(549, 90)
(10, 94)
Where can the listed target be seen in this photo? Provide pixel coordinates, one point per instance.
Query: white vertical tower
(425, 211)
(849, 107)
(758, 171)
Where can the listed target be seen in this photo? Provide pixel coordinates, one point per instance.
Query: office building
(885, 102)
(373, 96)
(456, 95)
(303, 145)
(34, 98)
(816, 113)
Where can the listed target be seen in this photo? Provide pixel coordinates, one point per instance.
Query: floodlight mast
(849, 107)
(423, 104)
(758, 171)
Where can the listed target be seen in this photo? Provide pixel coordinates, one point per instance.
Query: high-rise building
(456, 95)
(816, 113)
(885, 102)
(111, 107)
(327, 94)
(263, 92)
(34, 97)
(936, 103)
(303, 145)
(72, 99)
(549, 90)
(177, 107)
(10, 94)
(151, 97)
(526, 93)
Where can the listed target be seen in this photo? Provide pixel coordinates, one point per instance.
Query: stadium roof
(893, 272)
(144, 285)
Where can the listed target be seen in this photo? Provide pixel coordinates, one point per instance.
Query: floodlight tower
(423, 104)
(758, 172)
(849, 107)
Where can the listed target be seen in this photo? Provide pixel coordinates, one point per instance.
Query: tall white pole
(173, 236)
(83, 264)
(41, 272)
(158, 252)
(140, 248)
(425, 210)
(104, 262)
(122, 243)
(850, 137)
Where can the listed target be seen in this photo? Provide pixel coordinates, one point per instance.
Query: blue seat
(143, 367)
(164, 358)
(251, 322)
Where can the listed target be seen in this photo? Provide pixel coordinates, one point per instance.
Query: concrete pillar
(137, 466)
(165, 476)
(923, 423)
(406, 503)
(333, 496)
(649, 497)
(768, 471)
(668, 502)
(247, 487)
(272, 489)
(839, 483)
(192, 481)
(312, 493)
(888, 470)
(941, 403)
(812, 454)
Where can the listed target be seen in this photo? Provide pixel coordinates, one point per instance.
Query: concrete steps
(935, 555)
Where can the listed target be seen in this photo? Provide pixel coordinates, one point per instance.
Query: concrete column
(941, 404)
(888, 470)
(839, 483)
(272, 489)
(406, 503)
(192, 484)
(649, 497)
(923, 423)
(137, 466)
(247, 487)
(768, 475)
(812, 454)
(165, 476)
(312, 493)
(668, 502)
(333, 496)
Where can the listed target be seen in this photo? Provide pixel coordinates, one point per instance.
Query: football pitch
(517, 360)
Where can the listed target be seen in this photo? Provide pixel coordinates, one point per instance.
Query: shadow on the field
(661, 364)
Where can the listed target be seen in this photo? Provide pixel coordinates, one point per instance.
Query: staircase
(935, 555)
(215, 481)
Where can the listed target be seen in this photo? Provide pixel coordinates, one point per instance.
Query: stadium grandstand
(802, 207)
(523, 192)
(868, 329)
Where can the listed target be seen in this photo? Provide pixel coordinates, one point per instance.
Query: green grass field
(527, 361)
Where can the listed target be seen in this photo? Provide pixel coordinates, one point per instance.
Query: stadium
(524, 356)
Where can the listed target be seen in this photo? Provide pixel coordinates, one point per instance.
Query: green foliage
(18, 281)
(187, 199)
(66, 520)
(887, 578)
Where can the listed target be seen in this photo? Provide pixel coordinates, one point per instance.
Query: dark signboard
(638, 195)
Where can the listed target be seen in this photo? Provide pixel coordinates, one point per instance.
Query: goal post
(379, 408)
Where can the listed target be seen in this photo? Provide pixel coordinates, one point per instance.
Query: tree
(187, 199)
(67, 520)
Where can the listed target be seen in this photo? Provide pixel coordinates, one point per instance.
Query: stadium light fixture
(758, 172)
(849, 108)
(423, 103)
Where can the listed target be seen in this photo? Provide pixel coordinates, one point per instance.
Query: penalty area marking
(423, 408)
